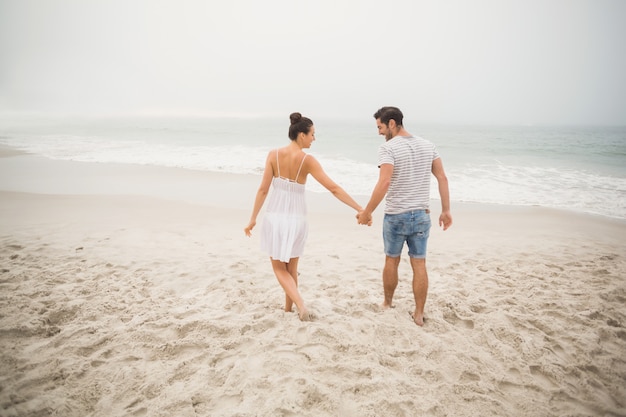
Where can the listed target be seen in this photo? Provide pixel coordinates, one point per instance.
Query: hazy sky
(459, 61)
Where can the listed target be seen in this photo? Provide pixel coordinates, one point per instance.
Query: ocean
(578, 168)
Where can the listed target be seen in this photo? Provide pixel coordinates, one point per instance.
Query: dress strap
(277, 166)
(301, 163)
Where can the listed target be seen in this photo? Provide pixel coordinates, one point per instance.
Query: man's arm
(380, 190)
(445, 219)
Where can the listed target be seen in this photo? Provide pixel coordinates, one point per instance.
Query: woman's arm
(261, 194)
(316, 170)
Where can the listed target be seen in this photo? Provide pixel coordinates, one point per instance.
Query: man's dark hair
(387, 113)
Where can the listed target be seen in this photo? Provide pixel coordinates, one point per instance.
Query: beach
(132, 290)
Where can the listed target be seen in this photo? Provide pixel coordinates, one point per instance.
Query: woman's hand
(249, 227)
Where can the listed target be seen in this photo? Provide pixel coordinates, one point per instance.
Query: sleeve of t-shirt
(384, 156)
(435, 153)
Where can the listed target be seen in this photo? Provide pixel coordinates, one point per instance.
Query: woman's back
(284, 229)
(290, 164)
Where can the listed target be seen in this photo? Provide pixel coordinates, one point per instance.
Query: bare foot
(304, 315)
(385, 306)
(418, 319)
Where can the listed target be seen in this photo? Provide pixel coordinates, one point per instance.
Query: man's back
(412, 159)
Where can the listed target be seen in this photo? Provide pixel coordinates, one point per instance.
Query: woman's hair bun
(299, 124)
(295, 117)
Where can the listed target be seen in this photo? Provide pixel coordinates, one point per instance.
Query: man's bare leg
(390, 280)
(290, 287)
(420, 289)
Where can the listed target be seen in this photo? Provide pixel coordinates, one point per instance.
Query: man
(405, 163)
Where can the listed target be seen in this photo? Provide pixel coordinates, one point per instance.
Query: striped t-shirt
(412, 158)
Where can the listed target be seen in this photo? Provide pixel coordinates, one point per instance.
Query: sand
(132, 291)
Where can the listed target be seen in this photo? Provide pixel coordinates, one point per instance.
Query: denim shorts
(412, 227)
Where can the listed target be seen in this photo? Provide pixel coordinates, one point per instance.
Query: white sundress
(284, 229)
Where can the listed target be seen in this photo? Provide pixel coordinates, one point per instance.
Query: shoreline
(28, 173)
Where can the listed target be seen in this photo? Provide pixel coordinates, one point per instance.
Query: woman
(285, 228)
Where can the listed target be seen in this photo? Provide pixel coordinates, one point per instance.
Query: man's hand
(364, 218)
(445, 220)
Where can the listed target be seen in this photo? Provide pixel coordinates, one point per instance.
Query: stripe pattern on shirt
(412, 158)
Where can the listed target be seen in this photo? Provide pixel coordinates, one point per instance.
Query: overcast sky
(442, 61)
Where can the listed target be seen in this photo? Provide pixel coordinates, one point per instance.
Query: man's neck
(400, 131)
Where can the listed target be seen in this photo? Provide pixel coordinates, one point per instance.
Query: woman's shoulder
(309, 160)
(279, 152)
(283, 150)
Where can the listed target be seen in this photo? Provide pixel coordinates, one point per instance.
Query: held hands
(364, 218)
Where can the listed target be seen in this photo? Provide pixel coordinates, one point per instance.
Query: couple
(405, 163)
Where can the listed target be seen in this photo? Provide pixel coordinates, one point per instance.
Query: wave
(542, 186)
(495, 182)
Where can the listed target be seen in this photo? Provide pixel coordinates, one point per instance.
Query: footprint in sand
(452, 318)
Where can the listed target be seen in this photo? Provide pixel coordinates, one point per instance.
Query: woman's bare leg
(290, 286)
(292, 268)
